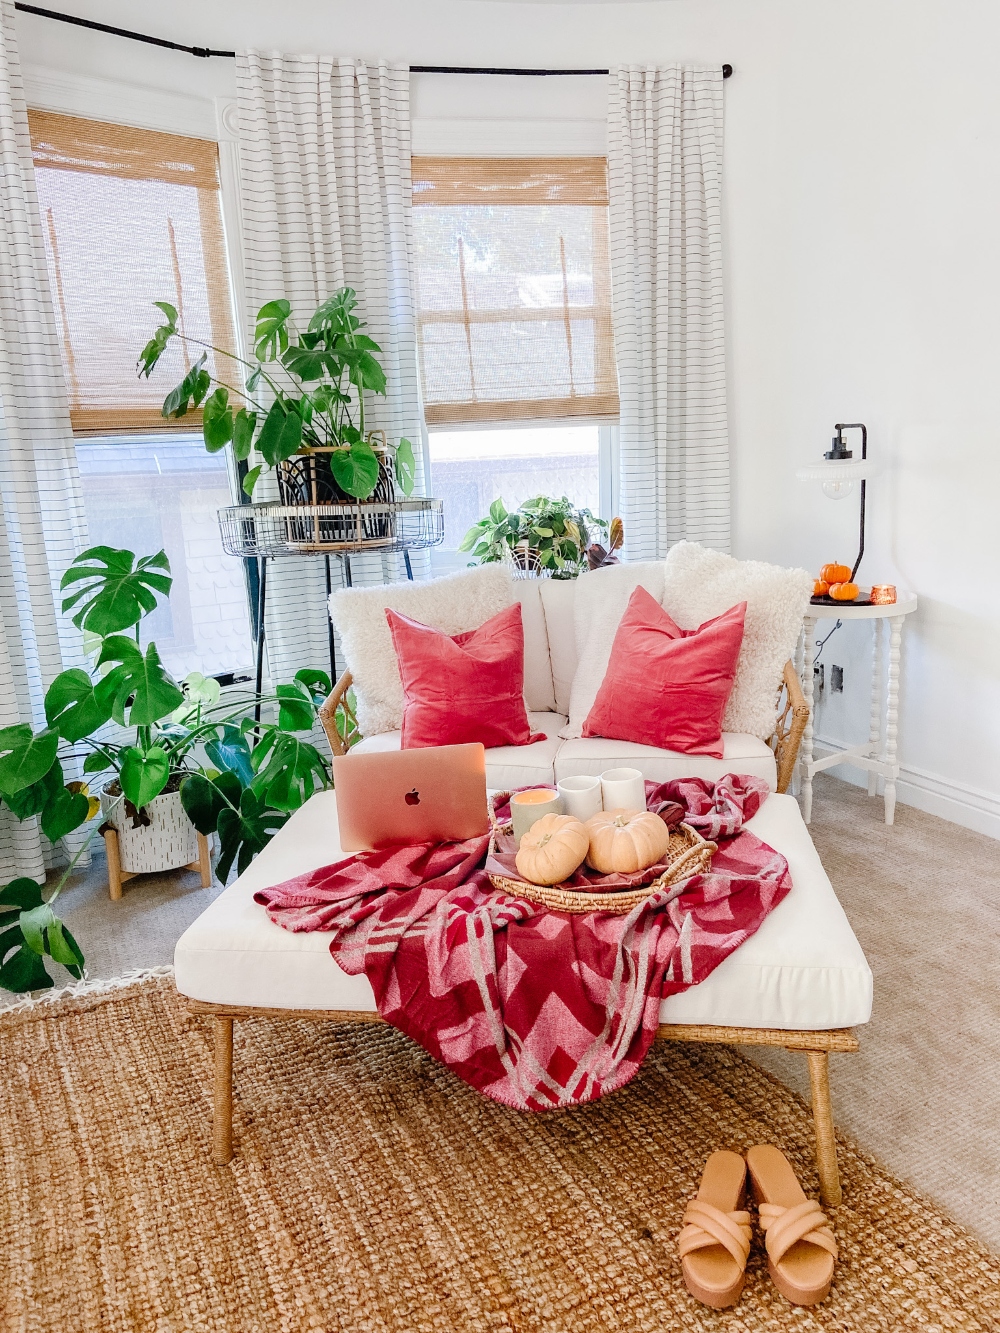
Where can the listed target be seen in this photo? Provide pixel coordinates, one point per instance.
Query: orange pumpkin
(624, 841)
(820, 588)
(552, 849)
(844, 592)
(835, 573)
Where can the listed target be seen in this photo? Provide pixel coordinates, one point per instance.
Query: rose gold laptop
(437, 794)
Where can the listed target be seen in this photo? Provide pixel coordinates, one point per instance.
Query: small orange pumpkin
(552, 849)
(844, 592)
(835, 573)
(624, 841)
(820, 588)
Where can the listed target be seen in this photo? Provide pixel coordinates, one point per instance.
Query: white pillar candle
(581, 797)
(623, 789)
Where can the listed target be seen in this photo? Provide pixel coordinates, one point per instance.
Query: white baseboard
(971, 807)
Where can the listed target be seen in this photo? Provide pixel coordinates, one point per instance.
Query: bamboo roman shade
(129, 217)
(513, 289)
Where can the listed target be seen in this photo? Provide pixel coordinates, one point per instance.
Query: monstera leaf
(157, 345)
(281, 434)
(356, 470)
(271, 334)
(217, 424)
(117, 590)
(71, 706)
(24, 757)
(143, 773)
(406, 467)
(230, 752)
(288, 770)
(139, 679)
(296, 710)
(29, 932)
(204, 799)
(245, 832)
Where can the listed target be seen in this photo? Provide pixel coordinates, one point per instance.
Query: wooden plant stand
(815, 1045)
(117, 876)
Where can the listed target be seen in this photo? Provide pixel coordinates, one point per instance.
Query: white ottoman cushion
(803, 968)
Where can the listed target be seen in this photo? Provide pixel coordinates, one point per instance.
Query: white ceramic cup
(527, 808)
(623, 789)
(581, 797)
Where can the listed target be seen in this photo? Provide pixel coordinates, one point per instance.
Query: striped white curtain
(42, 523)
(325, 172)
(665, 195)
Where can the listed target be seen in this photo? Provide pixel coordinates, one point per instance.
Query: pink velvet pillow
(463, 687)
(667, 686)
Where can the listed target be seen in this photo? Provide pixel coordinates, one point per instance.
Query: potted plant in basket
(183, 758)
(313, 430)
(542, 536)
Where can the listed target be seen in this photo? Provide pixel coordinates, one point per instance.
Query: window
(514, 327)
(131, 217)
(470, 469)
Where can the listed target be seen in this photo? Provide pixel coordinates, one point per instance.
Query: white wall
(861, 193)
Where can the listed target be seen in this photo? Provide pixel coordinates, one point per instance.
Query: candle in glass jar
(883, 594)
(527, 808)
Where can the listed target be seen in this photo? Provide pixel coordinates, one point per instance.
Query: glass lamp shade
(837, 475)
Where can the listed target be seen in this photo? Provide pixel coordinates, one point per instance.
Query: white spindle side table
(878, 753)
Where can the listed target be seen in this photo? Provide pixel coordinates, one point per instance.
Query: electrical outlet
(819, 679)
(836, 680)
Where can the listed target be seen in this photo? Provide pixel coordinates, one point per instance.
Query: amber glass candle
(527, 808)
(883, 594)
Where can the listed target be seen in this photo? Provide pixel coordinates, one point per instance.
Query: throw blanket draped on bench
(535, 1008)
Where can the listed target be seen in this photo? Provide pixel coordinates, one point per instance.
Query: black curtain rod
(541, 73)
(206, 51)
(120, 32)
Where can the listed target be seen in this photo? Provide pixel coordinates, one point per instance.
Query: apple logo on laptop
(412, 797)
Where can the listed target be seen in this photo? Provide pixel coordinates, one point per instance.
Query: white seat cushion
(803, 969)
(507, 766)
(741, 754)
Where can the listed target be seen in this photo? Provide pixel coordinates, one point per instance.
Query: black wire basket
(308, 479)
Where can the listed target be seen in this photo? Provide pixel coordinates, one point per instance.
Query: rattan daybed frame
(816, 1045)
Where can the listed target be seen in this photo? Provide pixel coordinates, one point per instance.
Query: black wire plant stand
(263, 532)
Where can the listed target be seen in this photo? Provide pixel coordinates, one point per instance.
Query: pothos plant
(552, 534)
(315, 380)
(242, 762)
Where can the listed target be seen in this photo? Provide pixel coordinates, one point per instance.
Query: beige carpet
(374, 1191)
(923, 1094)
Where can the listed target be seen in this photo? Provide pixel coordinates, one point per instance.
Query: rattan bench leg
(826, 1142)
(222, 1125)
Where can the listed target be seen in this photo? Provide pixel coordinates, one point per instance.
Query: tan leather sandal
(800, 1246)
(715, 1240)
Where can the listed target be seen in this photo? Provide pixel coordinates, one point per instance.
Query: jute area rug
(373, 1191)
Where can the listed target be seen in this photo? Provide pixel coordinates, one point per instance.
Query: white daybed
(801, 982)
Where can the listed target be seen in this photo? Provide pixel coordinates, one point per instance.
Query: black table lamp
(840, 470)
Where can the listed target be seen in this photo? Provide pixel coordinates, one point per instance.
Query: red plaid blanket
(536, 1008)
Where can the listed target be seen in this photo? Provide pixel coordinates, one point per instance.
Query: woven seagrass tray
(688, 853)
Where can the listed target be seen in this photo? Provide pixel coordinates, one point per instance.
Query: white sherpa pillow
(453, 604)
(700, 584)
(598, 606)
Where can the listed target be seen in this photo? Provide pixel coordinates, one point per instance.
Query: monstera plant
(314, 383)
(241, 761)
